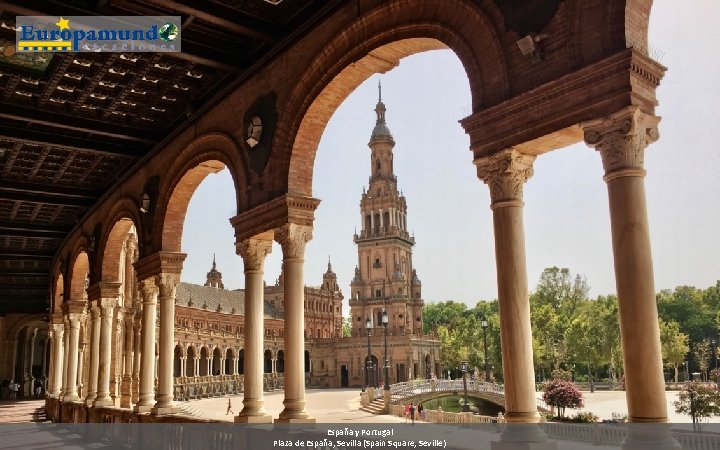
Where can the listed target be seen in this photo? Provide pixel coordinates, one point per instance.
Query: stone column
(73, 322)
(57, 356)
(117, 351)
(183, 366)
(106, 306)
(505, 173)
(235, 365)
(222, 365)
(167, 284)
(293, 238)
(146, 396)
(94, 354)
(126, 387)
(137, 328)
(621, 140)
(66, 357)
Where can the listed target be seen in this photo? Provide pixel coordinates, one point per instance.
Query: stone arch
(177, 356)
(204, 357)
(207, 154)
(373, 44)
(229, 358)
(267, 361)
(216, 358)
(280, 363)
(190, 361)
(78, 274)
(241, 361)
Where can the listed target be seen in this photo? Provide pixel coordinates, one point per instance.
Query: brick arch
(58, 293)
(207, 154)
(25, 321)
(375, 44)
(78, 272)
(123, 217)
(112, 247)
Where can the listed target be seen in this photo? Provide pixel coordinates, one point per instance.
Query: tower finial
(379, 90)
(214, 266)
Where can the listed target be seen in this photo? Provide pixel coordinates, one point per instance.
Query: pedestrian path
(22, 411)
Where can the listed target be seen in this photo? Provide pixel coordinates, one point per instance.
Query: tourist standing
(412, 413)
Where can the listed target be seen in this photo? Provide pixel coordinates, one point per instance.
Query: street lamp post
(387, 362)
(484, 325)
(368, 363)
(714, 347)
(463, 368)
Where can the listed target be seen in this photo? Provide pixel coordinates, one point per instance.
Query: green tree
(701, 350)
(674, 345)
(562, 394)
(700, 401)
(446, 313)
(347, 326)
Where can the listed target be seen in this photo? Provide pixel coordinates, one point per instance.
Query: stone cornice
(549, 114)
(285, 209)
(104, 289)
(74, 307)
(158, 263)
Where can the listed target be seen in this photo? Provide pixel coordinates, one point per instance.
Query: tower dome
(381, 130)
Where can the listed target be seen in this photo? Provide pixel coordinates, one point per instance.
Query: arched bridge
(423, 390)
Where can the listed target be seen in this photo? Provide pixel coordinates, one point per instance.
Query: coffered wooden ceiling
(71, 124)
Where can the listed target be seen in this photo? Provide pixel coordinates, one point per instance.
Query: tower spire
(379, 91)
(214, 265)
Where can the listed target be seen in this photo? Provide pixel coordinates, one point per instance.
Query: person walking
(412, 413)
(421, 412)
(229, 408)
(13, 389)
(407, 412)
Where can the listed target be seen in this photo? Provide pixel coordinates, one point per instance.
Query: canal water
(453, 404)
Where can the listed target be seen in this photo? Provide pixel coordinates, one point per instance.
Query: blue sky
(566, 210)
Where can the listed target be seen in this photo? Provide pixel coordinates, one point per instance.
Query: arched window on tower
(378, 166)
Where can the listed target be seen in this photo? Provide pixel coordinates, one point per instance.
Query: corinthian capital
(621, 139)
(292, 238)
(505, 173)
(253, 252)
(167, 283)
(148, 291)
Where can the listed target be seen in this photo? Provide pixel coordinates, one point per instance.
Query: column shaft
(94, 354)
(146, 398)
(254, 252)
(106, 326)
(505, 173)
(621, 140)
(135, 387)
(73, 349)
(293, 238)
(125, 392)
(167, 284)
(57, 366)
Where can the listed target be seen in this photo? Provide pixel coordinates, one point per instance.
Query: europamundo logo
(98, 34)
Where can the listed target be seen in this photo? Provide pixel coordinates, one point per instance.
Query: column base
(387, 397)
(265, 418)
(102, 402)
(163, 410)
(142, 408)
(293, 420)
(71, 398)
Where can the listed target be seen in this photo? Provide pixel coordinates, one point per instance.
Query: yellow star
(64, 24)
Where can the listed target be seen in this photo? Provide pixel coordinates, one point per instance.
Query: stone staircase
(377, 406)
(186, 409)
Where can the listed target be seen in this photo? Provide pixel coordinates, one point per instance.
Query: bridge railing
(401, 391)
